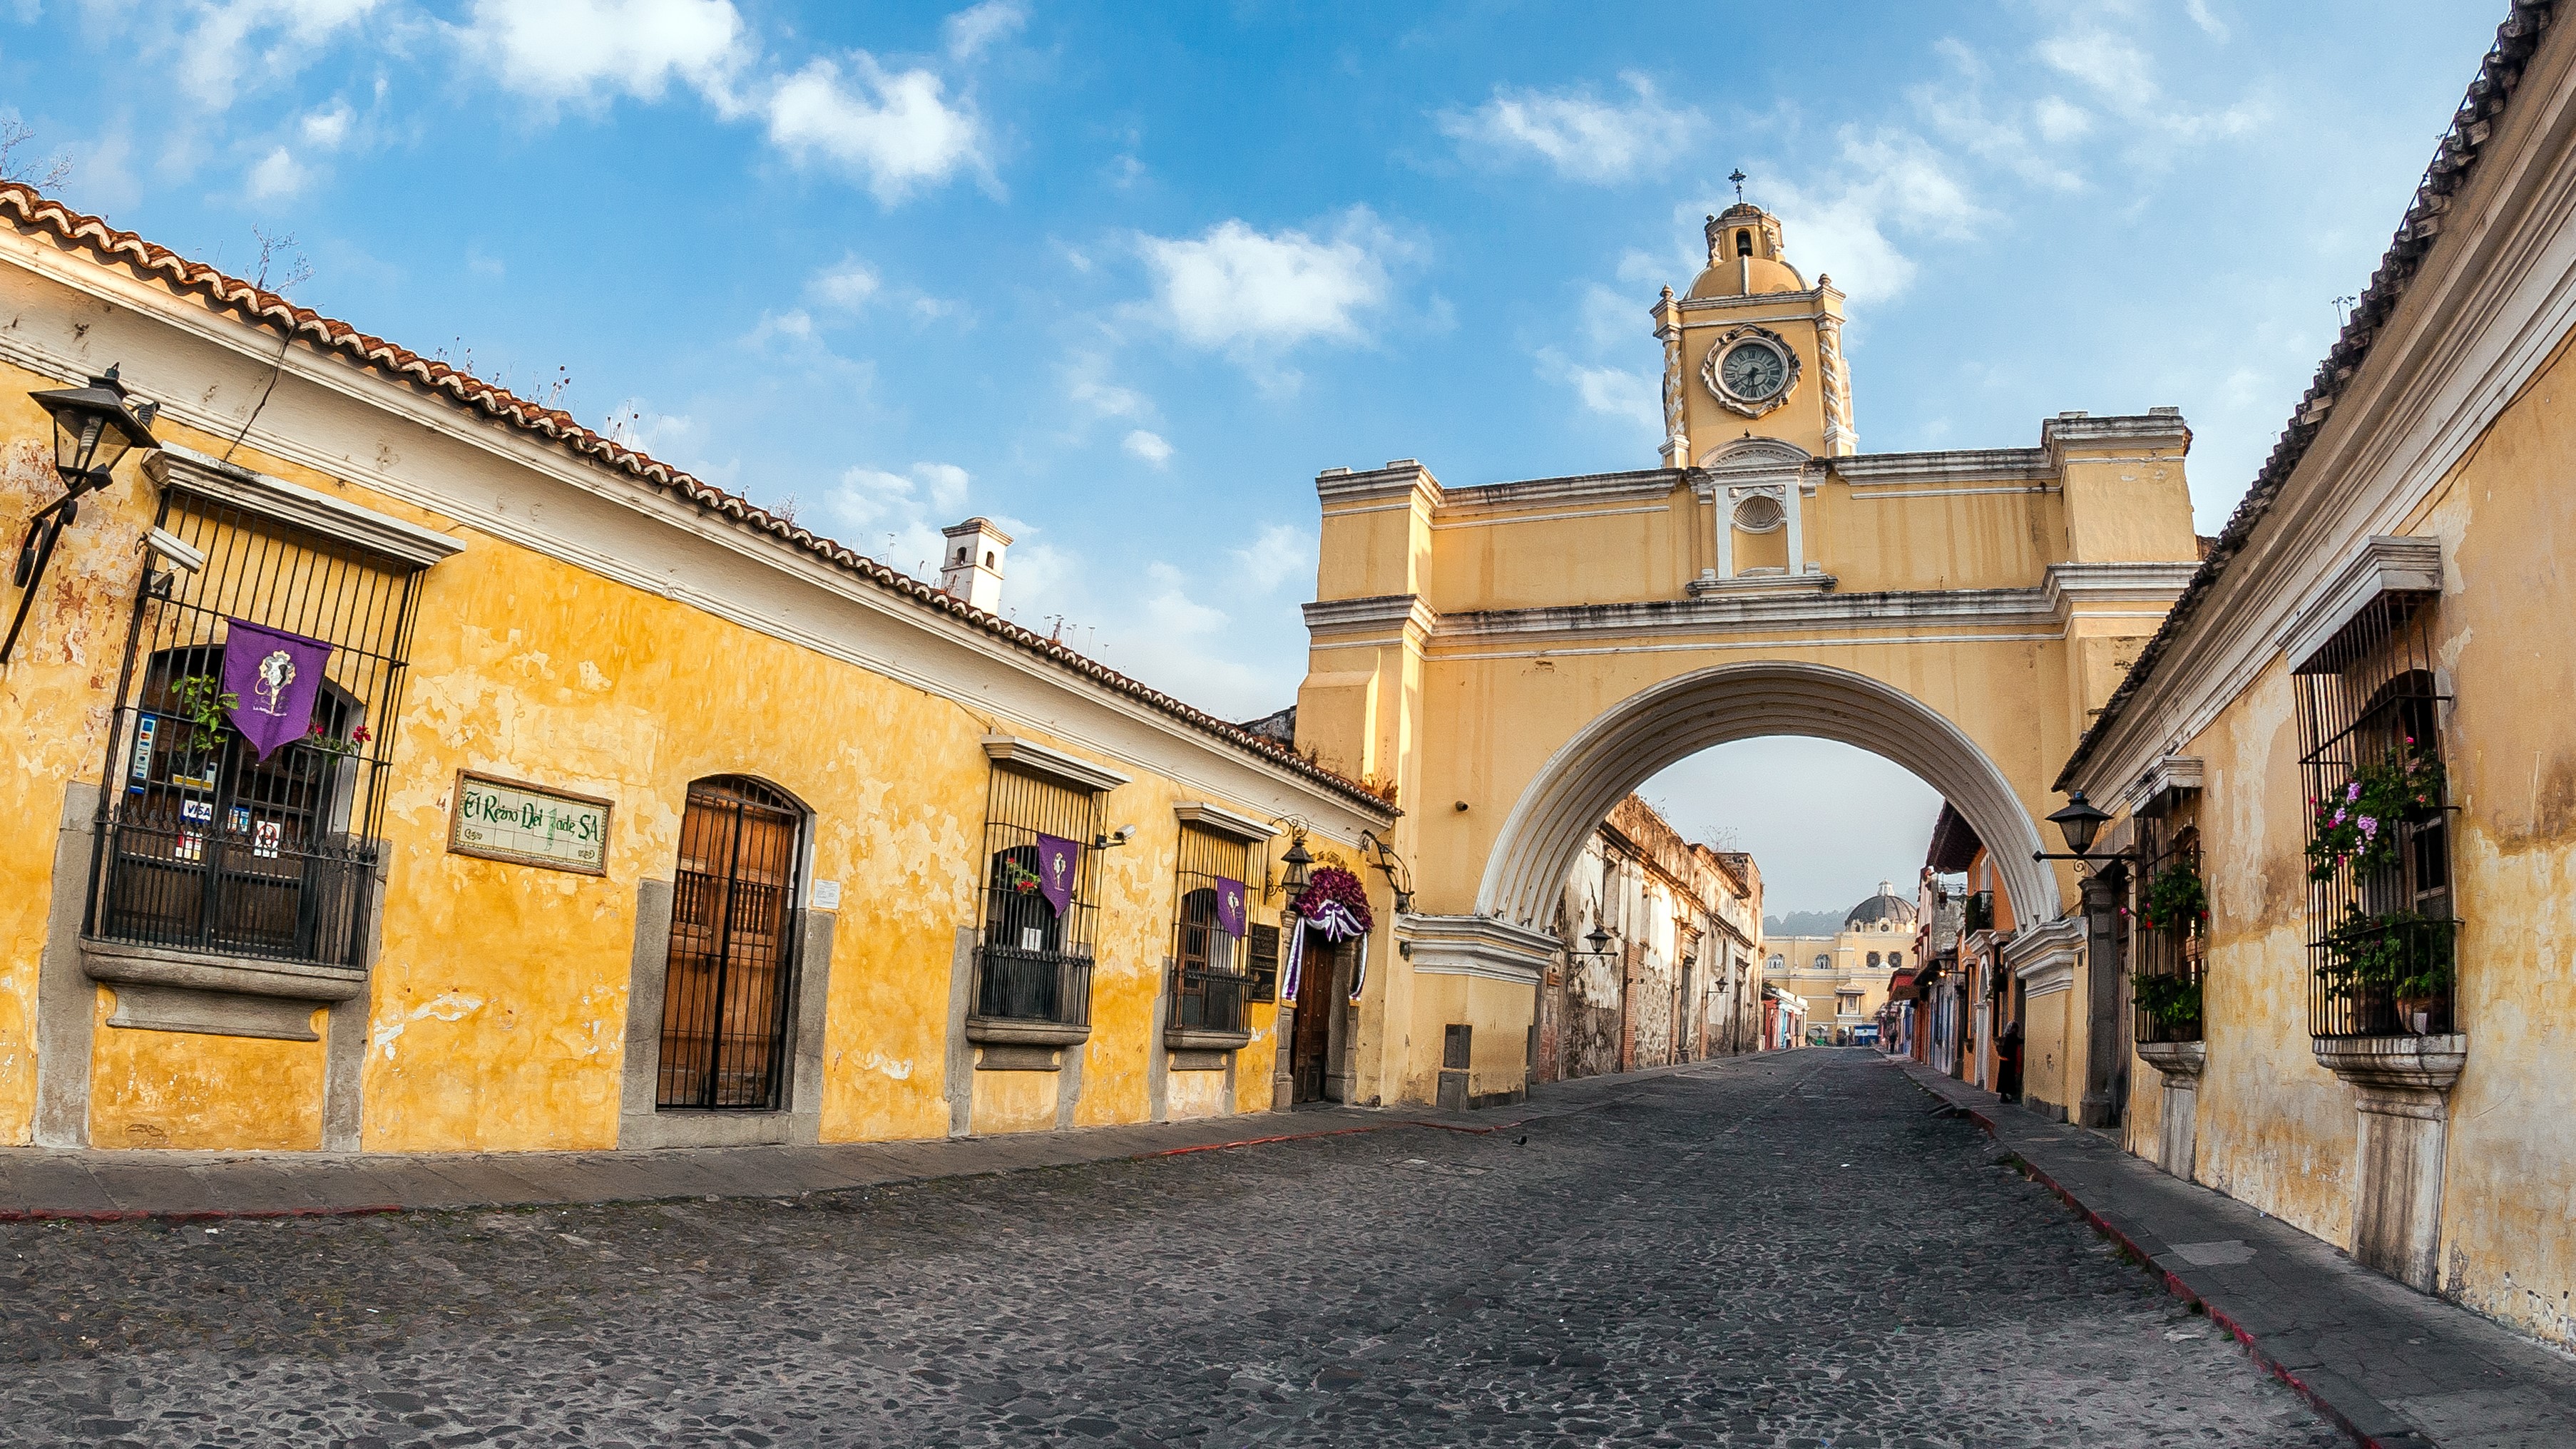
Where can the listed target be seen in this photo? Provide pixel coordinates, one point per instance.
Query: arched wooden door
(724, 1003)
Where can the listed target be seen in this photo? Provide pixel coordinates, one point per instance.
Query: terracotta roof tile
(32, 211)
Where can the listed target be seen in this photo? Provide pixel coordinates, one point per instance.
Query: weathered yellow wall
(499, 994)
(53, 703)
(184, 1090)
(2276, 1129)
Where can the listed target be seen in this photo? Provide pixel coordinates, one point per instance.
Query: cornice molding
(1397, 481)
(1639, 486)
(1377, 611)
(2073, 588)
(1049, 763)
(1964, 465)
(2382, 566)
(1221, 821)
(406, 545)
(1785, 605)
(2169, 774)
(1479, 946)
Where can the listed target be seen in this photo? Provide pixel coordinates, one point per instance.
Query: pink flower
(2338, 817)
(2352, 791)
(2369, 828)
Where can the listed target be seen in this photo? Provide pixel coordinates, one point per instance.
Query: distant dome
(1887, 906)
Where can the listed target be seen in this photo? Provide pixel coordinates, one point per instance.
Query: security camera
(173, 550)
(1125, 833)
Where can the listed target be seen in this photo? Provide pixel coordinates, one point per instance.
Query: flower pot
(2423, 1015)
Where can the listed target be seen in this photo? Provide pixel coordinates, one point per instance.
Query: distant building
(1841, 980)
(1677, 975)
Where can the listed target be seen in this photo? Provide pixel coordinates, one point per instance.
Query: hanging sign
(276, 676)
(1229, 906)
(1058, 859)
(527, 825)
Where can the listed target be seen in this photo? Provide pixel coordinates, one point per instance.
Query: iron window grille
(733, 957)
(2381, 934)
(200, 847)
(2169, 953)
(1211, 981)
(1032, 962)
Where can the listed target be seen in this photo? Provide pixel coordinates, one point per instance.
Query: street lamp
(1598, 939)
(2080, 820)
(1292, 879)
(94, 428)
(1399, 876)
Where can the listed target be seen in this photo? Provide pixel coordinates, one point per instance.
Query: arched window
(1824, 963)
(1778, 962)
(988, 558)
(1034, 960)
(733, 897)
(1210, 986)
(1744, 243)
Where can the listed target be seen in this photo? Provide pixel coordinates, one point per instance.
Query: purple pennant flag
(1058, 858)
(1229, 906)
(276, 676)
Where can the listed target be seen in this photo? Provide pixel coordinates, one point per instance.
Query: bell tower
(1753, 349)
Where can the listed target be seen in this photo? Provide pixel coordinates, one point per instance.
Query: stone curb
(2372, 1423)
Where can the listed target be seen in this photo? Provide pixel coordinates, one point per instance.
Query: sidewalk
(2395, 1368)
(94, 1185)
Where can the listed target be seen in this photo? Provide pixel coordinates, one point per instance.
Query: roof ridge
(32, 209)
(2454, 158)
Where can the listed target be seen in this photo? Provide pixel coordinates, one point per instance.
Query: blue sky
(1125, 277)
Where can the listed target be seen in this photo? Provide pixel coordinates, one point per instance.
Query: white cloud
(1278, 554)
(847, 284)
(277, 175)
(2210, 24)
(237, 44)
(1233, 286)
(896, 129)
(896, 517)
(2060, 120)
(588, 50)
(1087, 386)
(1583, 137)
(328, 129)
(1632, 397)
(796, 323)
(1888, 181)
(1148, 446)
(971, 30)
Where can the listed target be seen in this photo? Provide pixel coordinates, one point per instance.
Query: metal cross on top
(1737, 176)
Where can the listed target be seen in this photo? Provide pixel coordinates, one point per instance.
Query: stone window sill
(2423, 1063)
(1193, 1039)
(1025, 1033)
(159, 989)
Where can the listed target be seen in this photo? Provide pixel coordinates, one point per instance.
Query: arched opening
(725, 999)
(1634, 739)
(1744, 243)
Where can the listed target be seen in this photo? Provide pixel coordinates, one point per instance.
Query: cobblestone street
(1790, 1250)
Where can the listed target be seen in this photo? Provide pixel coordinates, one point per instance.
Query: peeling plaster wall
(497, 1010)
(53, 703)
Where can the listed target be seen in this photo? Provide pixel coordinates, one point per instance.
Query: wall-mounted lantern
(94, 428)
(2080, 820)
(1291, 880)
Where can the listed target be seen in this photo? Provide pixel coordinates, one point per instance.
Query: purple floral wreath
(1333, 885)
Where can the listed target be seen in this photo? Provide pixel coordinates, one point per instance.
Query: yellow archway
(1678, 718)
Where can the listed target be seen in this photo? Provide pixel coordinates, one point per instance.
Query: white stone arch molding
(1678, 718)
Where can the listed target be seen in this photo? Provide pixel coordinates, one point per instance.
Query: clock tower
(1752, 350)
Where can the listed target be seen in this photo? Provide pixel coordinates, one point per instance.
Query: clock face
(1753, 371)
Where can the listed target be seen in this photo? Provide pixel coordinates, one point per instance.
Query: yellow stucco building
(2366, 1033)
(608, 810)
(1843, 978)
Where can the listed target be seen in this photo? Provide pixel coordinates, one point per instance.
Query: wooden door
(1314, 1026)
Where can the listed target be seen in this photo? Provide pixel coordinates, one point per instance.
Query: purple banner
(1229, 906)
(1058, 859)
(276, 676)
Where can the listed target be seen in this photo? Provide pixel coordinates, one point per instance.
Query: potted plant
(2356, 824)
(204, 704)
(2172, 1002)
(355, 742)
(2390, 964)
(2176, 900)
